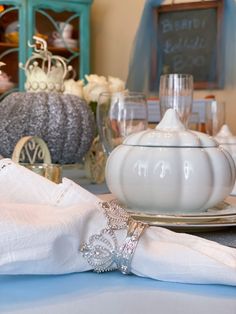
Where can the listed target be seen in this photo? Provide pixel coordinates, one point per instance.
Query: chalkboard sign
(188, 41)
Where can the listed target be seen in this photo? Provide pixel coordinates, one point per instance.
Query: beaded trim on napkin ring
(102, 251)
(127, 250)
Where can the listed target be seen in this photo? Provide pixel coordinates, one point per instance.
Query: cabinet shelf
(51, 48)
(8, 45)
(61, 49)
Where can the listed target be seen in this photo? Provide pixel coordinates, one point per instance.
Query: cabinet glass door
(64, 24)
(59, 23)
(9, 48)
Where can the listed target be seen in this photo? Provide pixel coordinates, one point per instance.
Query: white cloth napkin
(43, 225)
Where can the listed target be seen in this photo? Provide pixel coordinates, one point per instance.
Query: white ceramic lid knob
(171, 122)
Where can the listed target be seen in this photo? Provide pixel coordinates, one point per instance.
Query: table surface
(91, 293)
(110, 293)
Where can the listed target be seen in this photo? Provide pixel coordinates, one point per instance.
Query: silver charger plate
(219, 217)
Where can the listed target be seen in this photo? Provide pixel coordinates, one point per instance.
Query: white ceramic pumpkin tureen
(170, 169)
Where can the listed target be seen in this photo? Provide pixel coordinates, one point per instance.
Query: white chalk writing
(182, 62)
(182, 24)
(182, 44)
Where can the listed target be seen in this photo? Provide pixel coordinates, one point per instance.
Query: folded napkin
(43, 227)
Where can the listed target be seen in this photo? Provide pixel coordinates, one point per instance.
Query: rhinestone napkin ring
(102, 250)
(135, 229)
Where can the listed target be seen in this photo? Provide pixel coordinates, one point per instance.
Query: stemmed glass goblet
(118, 115)
(176, 91)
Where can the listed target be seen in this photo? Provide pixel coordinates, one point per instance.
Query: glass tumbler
(176, 91)
(119, 115)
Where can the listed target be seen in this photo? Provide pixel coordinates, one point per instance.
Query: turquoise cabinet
(64, 24)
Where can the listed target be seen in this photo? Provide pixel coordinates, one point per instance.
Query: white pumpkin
(228, 141)
(170, 169)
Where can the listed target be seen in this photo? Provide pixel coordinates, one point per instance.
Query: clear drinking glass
(118, 115)
(176, 91)
(215, 116)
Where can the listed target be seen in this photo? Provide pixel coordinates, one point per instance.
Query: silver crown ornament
(44, 71)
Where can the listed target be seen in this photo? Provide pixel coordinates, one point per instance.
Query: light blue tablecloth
(110, 293)
(78, 175)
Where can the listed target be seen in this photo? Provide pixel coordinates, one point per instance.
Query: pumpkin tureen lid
(224, 136)
(170, 132)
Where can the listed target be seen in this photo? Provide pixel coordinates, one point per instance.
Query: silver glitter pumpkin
(64, 121)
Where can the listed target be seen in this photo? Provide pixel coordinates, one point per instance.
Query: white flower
(74, 87)
(95, 86)
(93, 78)
(92, 91)
(115, 84)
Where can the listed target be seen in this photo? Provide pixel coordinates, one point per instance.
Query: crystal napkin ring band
(135, 229)
(102, 251)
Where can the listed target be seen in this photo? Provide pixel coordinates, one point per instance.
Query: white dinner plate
(195, 224)
(220, 216)
(221, 209)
